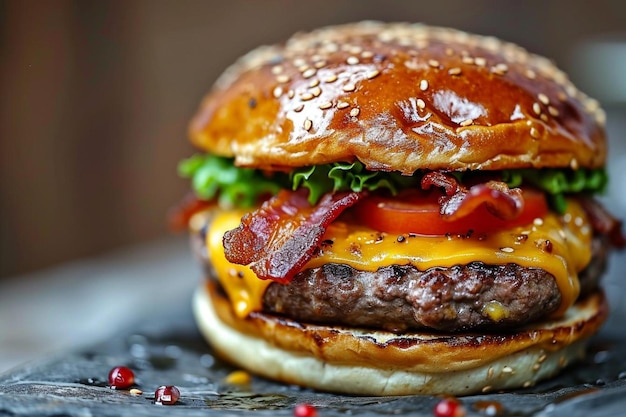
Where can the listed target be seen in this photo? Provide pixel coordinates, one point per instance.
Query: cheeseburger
(391, 208)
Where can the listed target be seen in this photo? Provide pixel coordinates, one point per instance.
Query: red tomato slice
(415, 211)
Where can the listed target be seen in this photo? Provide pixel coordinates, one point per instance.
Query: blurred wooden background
(95, 97)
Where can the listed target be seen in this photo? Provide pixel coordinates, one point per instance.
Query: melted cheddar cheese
(560, 245)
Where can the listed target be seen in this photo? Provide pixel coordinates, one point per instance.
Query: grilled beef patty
(402, 297)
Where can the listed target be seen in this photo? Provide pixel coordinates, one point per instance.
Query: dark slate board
(168, 350)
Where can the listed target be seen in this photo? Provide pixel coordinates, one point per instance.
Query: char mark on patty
(397, 298)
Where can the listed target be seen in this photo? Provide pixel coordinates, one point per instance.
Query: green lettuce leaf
(215, 177)
(342, 176)
(557, 183)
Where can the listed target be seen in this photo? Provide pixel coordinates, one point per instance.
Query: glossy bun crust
(375, 362)
(399, 97)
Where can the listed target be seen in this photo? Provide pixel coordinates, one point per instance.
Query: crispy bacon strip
(603, 222)
(459, 201)
(279, 238)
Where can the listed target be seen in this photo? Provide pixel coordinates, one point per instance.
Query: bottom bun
(373, 362)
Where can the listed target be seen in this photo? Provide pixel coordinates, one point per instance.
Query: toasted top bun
(400, 97)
